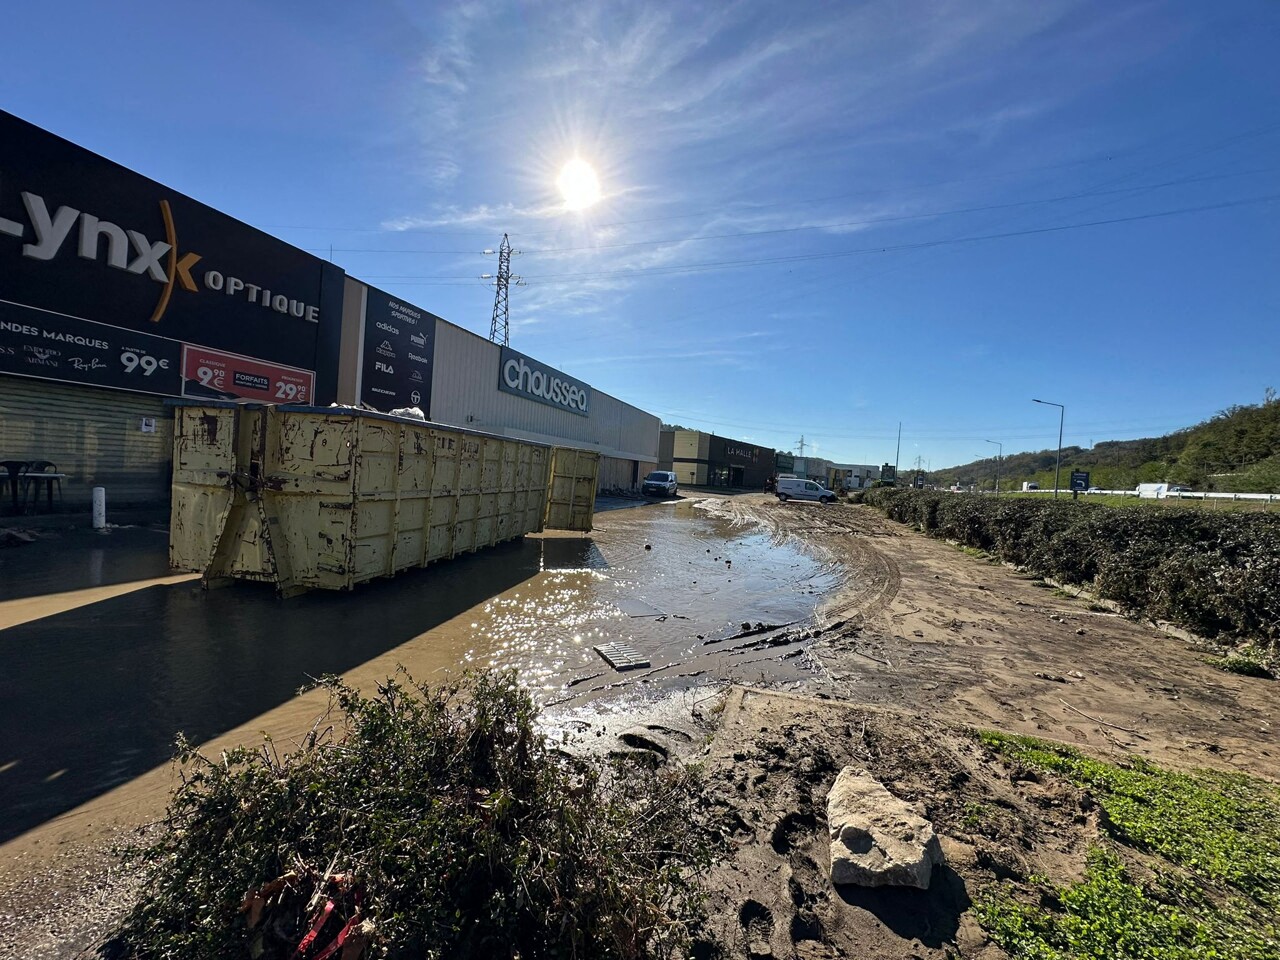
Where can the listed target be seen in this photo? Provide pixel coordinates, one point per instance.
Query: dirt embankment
(923, 643)
(768, 770)
(922, 626)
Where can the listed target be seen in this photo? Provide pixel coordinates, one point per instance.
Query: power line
(1007, 433)
(480, 232)
(886, 248)
(870, 221)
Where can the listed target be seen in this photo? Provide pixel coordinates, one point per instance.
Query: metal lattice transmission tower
(500, 327)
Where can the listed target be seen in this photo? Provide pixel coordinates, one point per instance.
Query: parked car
(660, 483)
(793, 488)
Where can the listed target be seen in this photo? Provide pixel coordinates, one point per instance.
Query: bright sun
(578, 184)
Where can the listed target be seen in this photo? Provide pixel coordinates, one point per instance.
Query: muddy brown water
(107, 656)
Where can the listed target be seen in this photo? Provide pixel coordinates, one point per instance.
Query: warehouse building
(117, 293)
(706, 460)
(395, 355)
(853, 476)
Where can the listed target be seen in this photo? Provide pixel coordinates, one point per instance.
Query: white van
(793, 488)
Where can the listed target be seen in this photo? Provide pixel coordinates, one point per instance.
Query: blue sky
(818, 219)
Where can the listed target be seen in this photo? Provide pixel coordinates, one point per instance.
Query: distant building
(813, 468)
(705, 460)
(853, 476)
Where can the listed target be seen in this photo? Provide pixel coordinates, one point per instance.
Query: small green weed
(1246, 661)
(1214, 840)
(975, 814)
(1108, 916)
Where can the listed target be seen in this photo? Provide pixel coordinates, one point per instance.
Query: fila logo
(134, 252)
(383, 367)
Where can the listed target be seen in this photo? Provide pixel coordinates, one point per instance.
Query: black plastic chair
(45, 471)
(15, 474)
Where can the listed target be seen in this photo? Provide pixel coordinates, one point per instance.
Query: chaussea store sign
(111, 279)
(526, 377)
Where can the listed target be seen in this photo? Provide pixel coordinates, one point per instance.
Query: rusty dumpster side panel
(204, 457)
(308, 497)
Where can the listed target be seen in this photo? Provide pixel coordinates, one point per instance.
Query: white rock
(876, 839)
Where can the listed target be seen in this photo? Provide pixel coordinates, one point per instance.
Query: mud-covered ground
(924, 643)
(919, 643)
(927, 628)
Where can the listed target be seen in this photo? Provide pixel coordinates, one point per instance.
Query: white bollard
(99, 508)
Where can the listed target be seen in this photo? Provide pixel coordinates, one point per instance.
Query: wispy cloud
(484, 215)
(444, 73)
(738, 110)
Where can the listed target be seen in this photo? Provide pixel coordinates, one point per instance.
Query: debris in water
(621, 656)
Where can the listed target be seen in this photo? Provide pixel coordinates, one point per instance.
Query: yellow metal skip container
(318, 497)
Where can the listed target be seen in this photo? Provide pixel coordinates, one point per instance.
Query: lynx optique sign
(526, 377)
(103, 260)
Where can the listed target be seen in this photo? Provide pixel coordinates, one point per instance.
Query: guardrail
(1186, 495)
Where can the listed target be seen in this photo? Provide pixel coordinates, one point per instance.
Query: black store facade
(733, 463)
(117, 292)
(707, 460)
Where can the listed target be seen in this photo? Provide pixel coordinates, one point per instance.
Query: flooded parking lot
(110, 657)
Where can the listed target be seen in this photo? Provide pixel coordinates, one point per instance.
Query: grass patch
(1246, 661)
(420, 822)
(1210, 843)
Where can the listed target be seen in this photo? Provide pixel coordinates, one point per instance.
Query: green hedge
(1217, 574)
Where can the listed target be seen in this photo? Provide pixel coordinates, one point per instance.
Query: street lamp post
(999, 460)
(1062, 414)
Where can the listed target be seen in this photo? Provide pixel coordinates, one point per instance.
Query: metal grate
(622, 656)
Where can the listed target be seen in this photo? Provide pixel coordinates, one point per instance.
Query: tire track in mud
(870, 578)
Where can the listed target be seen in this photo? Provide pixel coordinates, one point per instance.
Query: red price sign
(227, 376)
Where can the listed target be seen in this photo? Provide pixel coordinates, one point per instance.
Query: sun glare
(578, 184)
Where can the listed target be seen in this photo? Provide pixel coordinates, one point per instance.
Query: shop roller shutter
(94, 436)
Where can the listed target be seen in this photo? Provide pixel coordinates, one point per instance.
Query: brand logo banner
(399, 349)
(526, 377)
(37, 343)
(84, 237)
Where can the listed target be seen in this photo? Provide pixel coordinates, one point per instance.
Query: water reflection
(100, 691)
(94, 695)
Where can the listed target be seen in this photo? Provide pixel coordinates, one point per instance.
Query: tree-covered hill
(1238, 450)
